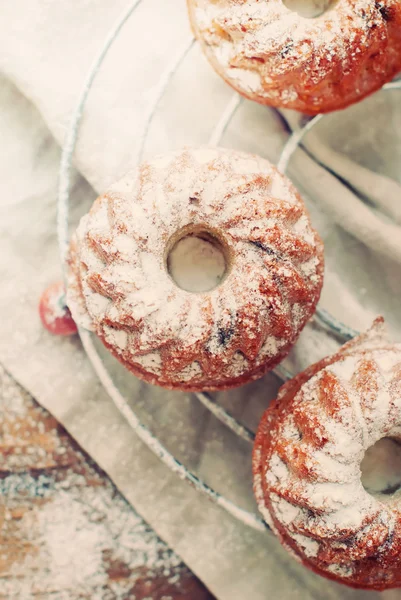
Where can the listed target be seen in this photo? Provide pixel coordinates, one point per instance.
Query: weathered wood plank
(65, 531)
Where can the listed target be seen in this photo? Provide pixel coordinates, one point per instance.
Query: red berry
(54, 313)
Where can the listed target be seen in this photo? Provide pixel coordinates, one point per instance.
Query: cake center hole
(381, 467)
(308, 8)
(197, 262)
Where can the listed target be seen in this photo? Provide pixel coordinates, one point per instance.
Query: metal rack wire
(322, 318)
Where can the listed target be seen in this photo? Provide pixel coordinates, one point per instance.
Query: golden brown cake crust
(119, 286)
(274, 56)
(306, 464)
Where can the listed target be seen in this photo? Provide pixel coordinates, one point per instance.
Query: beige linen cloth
(46, 49)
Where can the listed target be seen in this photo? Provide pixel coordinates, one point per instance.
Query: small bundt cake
(124, 280)
(307, 458)
(275, 56)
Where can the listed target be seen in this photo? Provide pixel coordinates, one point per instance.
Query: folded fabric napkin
(46, 49)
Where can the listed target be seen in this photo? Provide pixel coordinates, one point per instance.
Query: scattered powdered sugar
(346, 368)
(75, 557)
(341, 570)
(257, 481)
(119, 270)
(277, 469)
(117, 337)
(309, 268)
(337, 498)
(343, 437)
(250, 80)
(66, 533)
(151, 362)
(97, 304)
(56, 309)
(285, 511)
(326, 464)
(297, 313)
(191, 371)
(310, 546)
(302, 228)
(271, 346)
(238, 364)
(290, 429)
(389, 360)
(78, 535)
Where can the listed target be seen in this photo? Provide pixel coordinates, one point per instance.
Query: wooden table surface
(65, 531)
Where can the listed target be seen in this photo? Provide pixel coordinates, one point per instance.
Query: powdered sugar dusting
(311, 479)
(310, 546)
(262, 47)
(286, 511)
(191, 372)
(56, 308)
(271, 346)
(340, 570)
(119, 267)
(151, 362)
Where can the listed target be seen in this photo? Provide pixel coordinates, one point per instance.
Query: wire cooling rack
(321, 318)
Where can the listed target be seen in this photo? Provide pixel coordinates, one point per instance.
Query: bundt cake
(307, 464)
(276, 56)
(202, 203)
